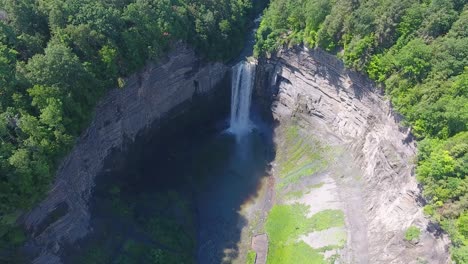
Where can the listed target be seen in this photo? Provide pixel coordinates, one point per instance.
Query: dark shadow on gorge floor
(174, 195)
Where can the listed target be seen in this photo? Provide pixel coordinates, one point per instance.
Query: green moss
(298, 157)
(294, 195)
(298, 194)
(292, 132)
(326, 219)
(251, 257)
(316, 186)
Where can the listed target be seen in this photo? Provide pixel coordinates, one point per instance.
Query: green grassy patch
(286, 223)
(294, 195)
(251, 256)
(295, 253)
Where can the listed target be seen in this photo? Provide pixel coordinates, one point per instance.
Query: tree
(59, 71)
(7, 74)
(439, 19)
(414, 59)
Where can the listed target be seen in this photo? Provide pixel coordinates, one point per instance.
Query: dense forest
(58, 57)
(418, 51)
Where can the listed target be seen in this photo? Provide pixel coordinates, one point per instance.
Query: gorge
(185, 191)
(154, 131)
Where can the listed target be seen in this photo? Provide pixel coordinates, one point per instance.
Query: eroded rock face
(343, 108)
(160, 91)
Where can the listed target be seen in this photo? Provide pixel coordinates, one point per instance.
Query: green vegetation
(133, 252)
(418, 51)
(294, 194)
(145, 228)
(284, 225)
(251, 256)
(412, 233)
(58, 57)
(298, 157)
(298, 194)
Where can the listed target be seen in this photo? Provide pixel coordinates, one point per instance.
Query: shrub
(412, 233)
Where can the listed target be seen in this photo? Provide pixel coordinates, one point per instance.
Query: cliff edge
(158, 91)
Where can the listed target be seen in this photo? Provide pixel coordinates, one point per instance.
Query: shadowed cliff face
(156, 179)
(157, 93)
(176, 194)
(372, 175)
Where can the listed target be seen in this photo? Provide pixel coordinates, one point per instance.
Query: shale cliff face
(159, 91)
(343, 108)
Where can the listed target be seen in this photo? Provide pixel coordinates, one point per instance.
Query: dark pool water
(175, 197)
(231, 177)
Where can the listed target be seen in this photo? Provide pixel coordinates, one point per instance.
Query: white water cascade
(243, 75)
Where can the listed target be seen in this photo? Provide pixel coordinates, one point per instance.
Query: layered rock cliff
(375, 178)
(159, 91)
(342, 108)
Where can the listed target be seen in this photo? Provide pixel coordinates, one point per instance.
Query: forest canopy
(417, 50)
(58, 57)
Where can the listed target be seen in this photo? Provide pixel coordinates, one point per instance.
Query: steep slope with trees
(57, 58)
(418, 51)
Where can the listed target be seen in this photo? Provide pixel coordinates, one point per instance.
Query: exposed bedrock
(340, 106)
(344, 108)
(159, 92)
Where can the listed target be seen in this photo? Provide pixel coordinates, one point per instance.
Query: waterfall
(243, 75)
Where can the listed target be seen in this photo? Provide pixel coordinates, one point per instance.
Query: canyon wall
(158, 92)
(343, 108)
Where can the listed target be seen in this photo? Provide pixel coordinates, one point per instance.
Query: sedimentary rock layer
(167, 87)
(344, 108)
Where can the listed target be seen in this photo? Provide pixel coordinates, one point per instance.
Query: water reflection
(229, 182)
